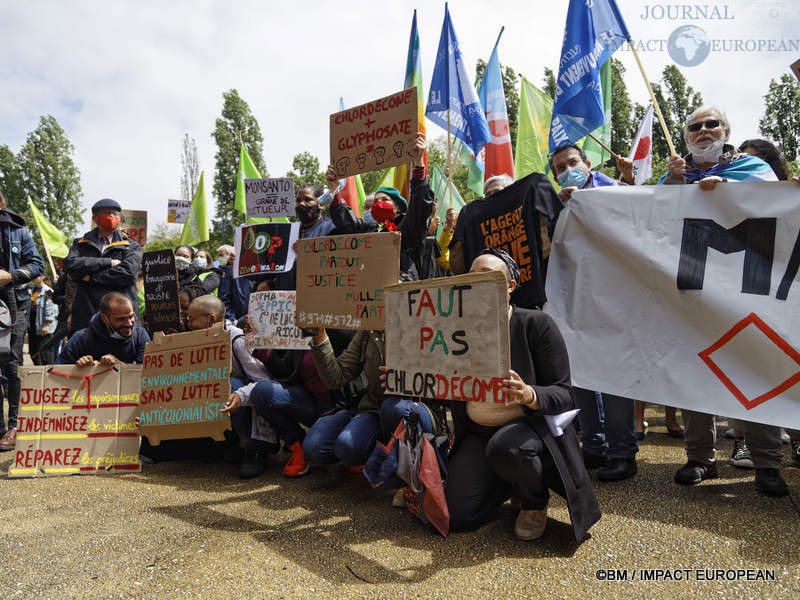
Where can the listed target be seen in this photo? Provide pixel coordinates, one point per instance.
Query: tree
(781, 120)
(49, 175)
(510, 85)
(11, 180)
(236, 124)
(190, 168)
(549, 82)
(621, 107)
(305, 169)
(677, 100)
(437, 155)
(164, 237)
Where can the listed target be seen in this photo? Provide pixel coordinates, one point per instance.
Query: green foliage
(677, 100)
(549, 82)
(621, 128)
(437, 155)
(49, 176)
(236, 124)
(370, 181)
(781, 120)
(190, 168)
(166, 236)
(510, 87)
(11, 179)
(305, 169)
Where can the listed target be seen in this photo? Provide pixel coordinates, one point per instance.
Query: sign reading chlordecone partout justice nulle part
(269, 198)
(340, 279)
(375, 135)
(185, 383)
(271, 319)
(77, 421)
(447, 338)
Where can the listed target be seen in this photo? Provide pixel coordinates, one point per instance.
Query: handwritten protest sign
(135, 224)
(162, 309)
(375, 135)
(264, 248)
(76, 420)
(448, 338)
(340, 279)
(177, 210)
(271, 316)
(185, 382)
(269, 197)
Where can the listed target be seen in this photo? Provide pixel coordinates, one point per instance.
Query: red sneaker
(297, 465)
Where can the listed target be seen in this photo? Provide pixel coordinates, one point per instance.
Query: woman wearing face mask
(208, 275)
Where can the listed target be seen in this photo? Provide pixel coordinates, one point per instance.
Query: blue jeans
(608, 424)
(343, 436)
(285, 408)
(394, 409)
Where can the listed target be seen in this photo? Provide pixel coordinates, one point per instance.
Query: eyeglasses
(708, 123)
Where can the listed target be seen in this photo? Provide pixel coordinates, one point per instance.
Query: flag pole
(604, 147)
(653, 99)
(49, 258)
(449, 163)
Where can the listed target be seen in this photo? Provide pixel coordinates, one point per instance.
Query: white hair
(723, 118)
(227, 248)
(505, 180)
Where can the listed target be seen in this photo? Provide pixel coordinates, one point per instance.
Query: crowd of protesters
(328, 405)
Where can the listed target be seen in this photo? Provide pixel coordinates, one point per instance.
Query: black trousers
(484, 472)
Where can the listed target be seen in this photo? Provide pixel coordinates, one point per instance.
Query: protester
(234, 292)
(103, 260)
(209, 276)
(504, 450)
(445, 237)
(113, 336)
(713, 161)
(607, 422)
(19, 263)
(43, 320)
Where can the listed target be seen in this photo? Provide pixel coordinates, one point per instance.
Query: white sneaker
(530, 524)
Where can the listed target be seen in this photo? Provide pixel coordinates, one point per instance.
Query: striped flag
(498, 155)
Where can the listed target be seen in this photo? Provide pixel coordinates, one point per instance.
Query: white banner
(682, 297)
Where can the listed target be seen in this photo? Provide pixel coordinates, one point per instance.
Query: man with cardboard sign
(77, 420)
(375, 135)
(437, 335)
(185, 384)
(340, 279)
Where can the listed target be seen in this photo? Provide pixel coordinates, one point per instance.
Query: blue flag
(594, 31)
(451, 89)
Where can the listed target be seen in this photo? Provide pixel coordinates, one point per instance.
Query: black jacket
(95, 341)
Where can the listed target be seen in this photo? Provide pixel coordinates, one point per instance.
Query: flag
(195, 229)
(642, 149)
(413, 78)
(533, 127)
(351, 189)
(247, 170)
(498, 158)
(52, 237)
(387, 179)
(444, 195)
(593, 32)
(475, 168)
(595, 153)
(452, 97)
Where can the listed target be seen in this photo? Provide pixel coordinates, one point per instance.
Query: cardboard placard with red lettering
(340, 279)
(448, 338)
(77, 421)
(185, 382)
(177, 210)
(268, 198)
(134, 222)
(375, 135)
(264, 248)
(271, 318)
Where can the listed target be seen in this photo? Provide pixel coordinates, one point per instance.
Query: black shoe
(618, 469)
(593, 461)
(253, 465)
(770, 482)
(693, 472)
(233, 455)
(796, 453)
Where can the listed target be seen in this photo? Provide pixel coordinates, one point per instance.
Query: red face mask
(107, 222)
(382, 210)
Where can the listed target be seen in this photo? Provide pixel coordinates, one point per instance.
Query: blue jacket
(235, 294)
(96, 342)
(87, 260)
(45, 311)
(18, 253)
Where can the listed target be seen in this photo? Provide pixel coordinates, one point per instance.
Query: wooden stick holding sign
(448, 338)
(185, 383)
(375, 135)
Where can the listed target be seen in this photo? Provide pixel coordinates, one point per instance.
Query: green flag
(387, 179)
(247, 170)
(475, 172)
(440, 192)
(195, 229)
(533, 130)
(52, 237)
(594, 152)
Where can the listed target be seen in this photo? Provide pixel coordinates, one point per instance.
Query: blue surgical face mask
(369, 219)
(199, 262)
(572, 177)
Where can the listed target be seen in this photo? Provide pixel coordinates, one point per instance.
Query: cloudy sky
(127, 79)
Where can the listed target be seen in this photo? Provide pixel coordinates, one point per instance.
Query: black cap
(105, 203)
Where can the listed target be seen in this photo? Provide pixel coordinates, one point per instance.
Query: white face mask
(709, 154)
(181, 262)
(223, 260)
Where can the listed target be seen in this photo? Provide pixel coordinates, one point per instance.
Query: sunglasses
(709, 124)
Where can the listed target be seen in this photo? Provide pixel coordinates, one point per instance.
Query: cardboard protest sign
(447, 338)
(76, 420)
(135, 225)
(264, 248)
(177, 210)
(267, 198)
(185, 382)
(375, 135)
(161, 310)
(340, 279)
(271, 317)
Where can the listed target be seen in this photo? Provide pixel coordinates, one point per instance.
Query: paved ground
(189, 529)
